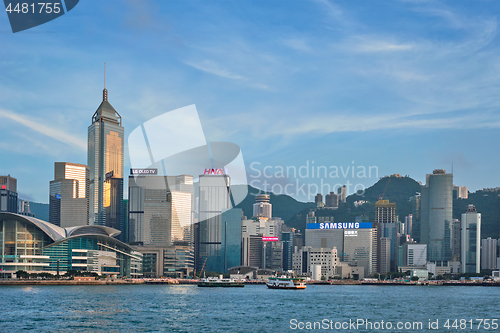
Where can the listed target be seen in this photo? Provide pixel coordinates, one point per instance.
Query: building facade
(332, 201)
(161, 210)
(69, 195)
(287, 239)
(218, 242)
(460, 192)
(356, 242)
(385, 222)
(414, 255)
(489, 248)
(436, 216)
(471, 236)
(307, 256)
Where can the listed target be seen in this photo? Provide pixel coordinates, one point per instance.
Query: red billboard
(270, 239)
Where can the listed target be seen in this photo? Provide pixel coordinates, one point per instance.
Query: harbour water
(187, 308)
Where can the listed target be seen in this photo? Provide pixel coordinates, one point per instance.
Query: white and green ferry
(285, 282)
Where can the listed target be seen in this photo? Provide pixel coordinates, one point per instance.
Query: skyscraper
(385, 222)
(489, 253)
(69, 201)
(471, 236)
(456, 236)
(105, 161)
(160, 209)
(436, 216)
(262, 207)
(8, 194)
(219, 226)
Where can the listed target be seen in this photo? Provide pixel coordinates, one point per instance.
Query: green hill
(399, 190)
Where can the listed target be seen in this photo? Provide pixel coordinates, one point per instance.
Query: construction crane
(380, 197)
(203, 266)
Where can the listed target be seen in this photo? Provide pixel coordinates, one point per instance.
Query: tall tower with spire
(105, 161)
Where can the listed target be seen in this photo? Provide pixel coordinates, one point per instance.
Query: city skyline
(316, 81)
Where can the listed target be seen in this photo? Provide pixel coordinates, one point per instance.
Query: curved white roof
(57, 233)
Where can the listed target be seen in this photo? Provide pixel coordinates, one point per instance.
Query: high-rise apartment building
(69, 195)
(460, 192)
(471, 236)
(318, 200)
(262, 207)
(105, 161)
(342, 192)
(8, 194)
(332, 201)
(436, 216)
(489, 253)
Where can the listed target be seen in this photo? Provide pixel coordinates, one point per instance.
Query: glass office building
(105, 161)
(436, 206)
(36, 246)
(471, 241)
(218, 242)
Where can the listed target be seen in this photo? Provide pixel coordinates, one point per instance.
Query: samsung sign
(340, 225)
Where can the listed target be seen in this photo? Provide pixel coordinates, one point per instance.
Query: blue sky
(406, 86)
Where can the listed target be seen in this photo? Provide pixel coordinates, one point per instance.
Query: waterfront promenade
(62, 282)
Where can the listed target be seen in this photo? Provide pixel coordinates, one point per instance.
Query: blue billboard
(340, 225)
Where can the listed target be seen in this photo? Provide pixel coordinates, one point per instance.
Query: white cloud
(56, 134)
(212, 68)
(370, 44)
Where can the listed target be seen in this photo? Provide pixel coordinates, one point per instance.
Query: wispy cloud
(56, 134)
(370, 44)
(213, 68)
(343, 123)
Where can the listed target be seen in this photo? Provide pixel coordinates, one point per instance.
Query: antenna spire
(105, 91)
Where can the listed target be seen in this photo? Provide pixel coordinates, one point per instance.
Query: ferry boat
(219, 282)
(285, 282)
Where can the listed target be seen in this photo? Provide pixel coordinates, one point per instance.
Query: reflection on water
(187, 308)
